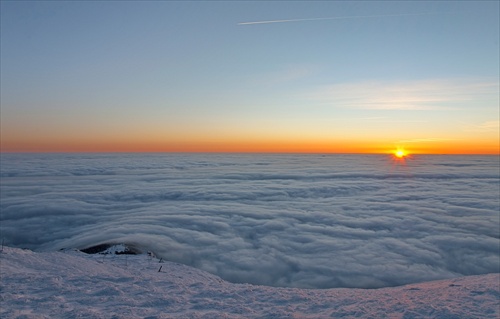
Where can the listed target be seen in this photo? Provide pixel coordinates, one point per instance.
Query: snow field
(71, 284)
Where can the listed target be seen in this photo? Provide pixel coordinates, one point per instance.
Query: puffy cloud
(281, 220)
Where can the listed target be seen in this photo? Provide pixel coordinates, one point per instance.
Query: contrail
(337, 18)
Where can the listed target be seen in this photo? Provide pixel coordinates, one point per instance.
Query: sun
(400, 153)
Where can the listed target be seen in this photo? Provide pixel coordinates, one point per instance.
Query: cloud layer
(280, 220)
(444, 94)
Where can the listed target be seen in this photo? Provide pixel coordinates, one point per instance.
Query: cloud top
(281, 220)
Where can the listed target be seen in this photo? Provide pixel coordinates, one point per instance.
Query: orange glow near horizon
(248, 146)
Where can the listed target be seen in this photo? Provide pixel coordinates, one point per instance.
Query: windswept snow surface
(71, 284)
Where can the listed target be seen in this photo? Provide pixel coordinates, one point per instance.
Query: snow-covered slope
(71, 284)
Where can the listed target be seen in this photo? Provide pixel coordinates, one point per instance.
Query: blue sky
(185, 73)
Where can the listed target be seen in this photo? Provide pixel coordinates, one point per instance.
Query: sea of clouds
(310, 221)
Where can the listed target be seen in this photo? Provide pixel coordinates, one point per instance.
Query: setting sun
(400, 153)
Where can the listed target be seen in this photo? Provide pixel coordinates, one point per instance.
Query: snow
(72, 284)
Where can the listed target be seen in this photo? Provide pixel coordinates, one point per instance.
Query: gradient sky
(187, 76)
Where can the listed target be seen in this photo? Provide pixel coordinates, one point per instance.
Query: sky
(333, 77)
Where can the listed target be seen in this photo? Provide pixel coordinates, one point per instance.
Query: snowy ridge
(71, 284)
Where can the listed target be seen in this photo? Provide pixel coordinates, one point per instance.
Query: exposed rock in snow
(71, 284)
(117, 249)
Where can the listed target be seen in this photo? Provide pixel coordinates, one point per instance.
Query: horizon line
(389, 152)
